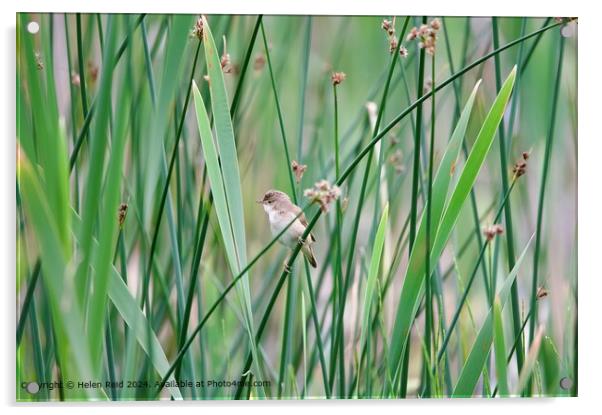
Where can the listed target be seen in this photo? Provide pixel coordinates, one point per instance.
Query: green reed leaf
(474, 364)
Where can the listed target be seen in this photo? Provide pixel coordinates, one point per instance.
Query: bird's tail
(309, 254)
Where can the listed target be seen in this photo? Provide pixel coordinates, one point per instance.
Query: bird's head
(273, 197)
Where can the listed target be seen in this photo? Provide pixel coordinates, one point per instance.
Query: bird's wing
(303, 221)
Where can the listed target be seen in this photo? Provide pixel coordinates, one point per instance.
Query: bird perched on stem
(281, 211)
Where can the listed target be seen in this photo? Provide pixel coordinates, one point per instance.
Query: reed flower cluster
(389, 27)
(492, 230)
(197, 30)
(323, 193)
(122, 213)
(338, 77)
(520, 167)
(426, 35)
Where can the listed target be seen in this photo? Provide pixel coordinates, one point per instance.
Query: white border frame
(589, 153)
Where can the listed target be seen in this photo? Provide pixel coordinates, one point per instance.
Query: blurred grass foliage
(143, 142)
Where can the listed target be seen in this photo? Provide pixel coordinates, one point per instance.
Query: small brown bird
(281, 211)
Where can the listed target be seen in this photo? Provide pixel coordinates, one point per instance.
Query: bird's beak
(259, 201)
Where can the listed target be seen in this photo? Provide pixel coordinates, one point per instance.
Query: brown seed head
(396, 157)
(519, 169)
(197, 29)
(39, 61)
(492, 230)
(298, 170)
(452, 169)
(399, 168)
(396, 160)
(122, 213)
(387, 25)
(259, 62)
(392, 44)
(93, 70)
(541, 293)
(428, 85)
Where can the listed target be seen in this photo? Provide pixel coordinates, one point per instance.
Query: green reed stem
(513, 348)
(88, 117)
(509, 229)
(535, 43)
(72, 106)
(165, 190)
(148, 63)
(305, 65)
(516, 97)
(428, 295)
(280, 119)
(542, 193)
(244, 67)
(110, 356)
(36, 344)
(456, 316)
(338, 295)
(35, 275)
(473, 198)
(414, 203)
(417, 135)
(80, 62)
(289, 301)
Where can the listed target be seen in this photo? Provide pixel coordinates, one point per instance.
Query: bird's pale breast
(279, 220)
